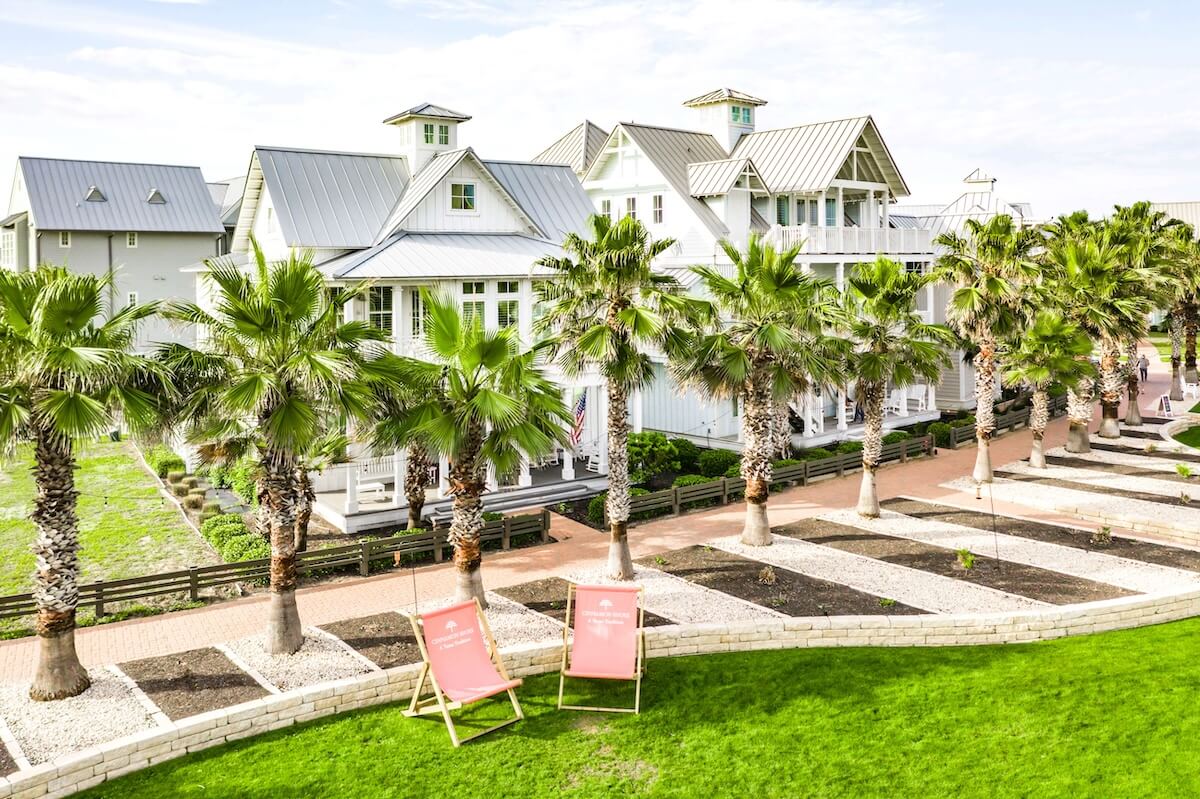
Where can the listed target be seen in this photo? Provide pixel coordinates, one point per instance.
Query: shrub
(715, 462)
(1056, 390)
(734, 471)
(228, 534)
(206, 514)
(688, 454)
(492, 516)
(245, 547)
(779, 464)
(941, 433)
(241, 478)
(212, 505)
(197, 491)
(179, 490)
(163, 461)
(692, 480)
(595, 509)
(218, 475)
(847, 447)
(220, 528)
(176, 477)
(964, 421)
(193, 501)
(191, 482)
(896, 436)
(814, 454)
(650, 454)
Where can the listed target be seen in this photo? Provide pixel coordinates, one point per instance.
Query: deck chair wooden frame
(439, 702)
(639, 667)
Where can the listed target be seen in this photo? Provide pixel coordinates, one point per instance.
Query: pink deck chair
(462, 665)
(609, 644)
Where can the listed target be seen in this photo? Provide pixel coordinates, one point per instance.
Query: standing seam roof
(549, 193)
(805, 158)
(716, 177)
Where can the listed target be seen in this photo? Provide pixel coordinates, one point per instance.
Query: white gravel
(1102, 480)
(46, 730)
(1123, 572)
(512, 623)
(913, 587)
(1158, 444)
(680, 601)
(321, 659)
(1156, 462)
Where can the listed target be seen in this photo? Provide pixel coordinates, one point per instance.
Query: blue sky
(1069, 104)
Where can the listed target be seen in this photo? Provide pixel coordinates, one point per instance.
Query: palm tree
(605, 307)
(416, 481)
(66, 368)
(275, 359)
(990, 266)
(1051, 350)
(773, 342)
(894, 346)
(322, 453)
(1182, 264)
(486, 403)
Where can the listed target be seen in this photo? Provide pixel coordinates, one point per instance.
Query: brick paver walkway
(578, 545)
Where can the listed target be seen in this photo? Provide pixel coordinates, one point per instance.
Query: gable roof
(671, 151)
(426, 110)
(577, 149)
(549, 193)
(429, 177)
(328, 199)
(721, 95)
(712, 178)
(442, 255)
(808, 157)
(227, 194)
(57, 187)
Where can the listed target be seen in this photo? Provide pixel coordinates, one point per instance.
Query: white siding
(266, 227)
(493, 212)
(673, 412)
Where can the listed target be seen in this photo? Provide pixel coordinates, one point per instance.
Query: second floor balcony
(848, 240)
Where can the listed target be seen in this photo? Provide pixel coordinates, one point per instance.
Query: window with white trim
(131, 299)
(429, 133)
(631, 207)
(781, 210)
(8, 248)
(379, 310)
(419, 313)
(473, 307)
(443, 134)
(739, 114)
(508, 309)
(64, 238)
(462, 196)
(333, 294)
(915, 266)
(131, 240)
(812, 212)
(606, 209)
(656, 208)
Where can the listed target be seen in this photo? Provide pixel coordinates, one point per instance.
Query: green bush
(650, 454)
(197, 491)
(193, 501)
(896, 436)
(221, 528)
(1057, 390)
(779, 464)
(715, 462)
(212, 505)
(191, 482)
(940, 432)
(595, 509)
(734, 471)
(688, 453)
(163, 461)
(692, 480)
(814, 454)
(176, 477)
(245, 547)
(179, 490)
(965, 421)
(229, 536)
(492, 516)
(241, 479)
(847, 447)
(206, 514)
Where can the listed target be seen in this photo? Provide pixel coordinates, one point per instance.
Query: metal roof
(426, 110)
(550, 195)
(808, 157)
(12, 219)
(577, 149)
(423, 256)
(717, 177)
(1188, 212)
(331, 200)
(721, 95)
(57, 187)
(227, 194)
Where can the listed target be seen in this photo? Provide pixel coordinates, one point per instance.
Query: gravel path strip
(1128, 574)
(1100, 479)
(1155, 462)
(320, 659)
(919, 589)
(512, 623)
(1160, 452)
(681, 601)
(46, 730)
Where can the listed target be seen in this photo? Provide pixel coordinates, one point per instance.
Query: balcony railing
(852, 240)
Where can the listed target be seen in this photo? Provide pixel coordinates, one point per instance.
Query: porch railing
(814, 239)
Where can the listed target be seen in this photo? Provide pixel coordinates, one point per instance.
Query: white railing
(336, 477)
(852, 240)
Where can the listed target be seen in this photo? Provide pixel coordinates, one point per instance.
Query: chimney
(425, 131)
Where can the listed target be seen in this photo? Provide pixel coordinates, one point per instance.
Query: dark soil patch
(1122, 469)
(1184, 457)
(7, 764)
(193, 682)
(657, 482)
(576, 510)
(1014, 578)
(1131, 548)
(386, 639)
(1106, 490)
(792, 594)
(549, 596)
(1140, 434)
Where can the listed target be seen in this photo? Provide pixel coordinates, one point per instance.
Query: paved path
(579, 547)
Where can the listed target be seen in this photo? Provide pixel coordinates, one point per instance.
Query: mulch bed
(7, 764)
(386, 639)
(1094, 489)
(1014, 578)
(576, 510)
(1185, 457)
(549, 597)
(1158, 554)
(792, 594)
(193, 682)
(1140, 434)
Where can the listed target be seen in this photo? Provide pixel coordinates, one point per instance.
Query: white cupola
(727, 114)
(425, 131)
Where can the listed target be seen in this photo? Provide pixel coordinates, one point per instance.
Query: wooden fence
(1006, 422)
(191, 582)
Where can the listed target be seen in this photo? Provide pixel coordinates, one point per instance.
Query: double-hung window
(462, 196)
(781, 210)
(631, 207)
(419, 312)
(334, 294)
(508, 307)
(812, 212)
(606, 209)
(657, 209)
(473, 302)
(379, 313)
(443, 134)
(831, 219)
(8, 248)
(131, 240)
(428, 129)
(64, 238)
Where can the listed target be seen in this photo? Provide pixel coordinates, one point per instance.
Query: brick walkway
(578, 545)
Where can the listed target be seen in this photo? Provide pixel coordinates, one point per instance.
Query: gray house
(141, 223)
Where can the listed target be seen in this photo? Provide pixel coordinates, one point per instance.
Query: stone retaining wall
(90, 767)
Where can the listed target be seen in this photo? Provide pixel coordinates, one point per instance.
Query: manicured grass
(1105, 715)
(132, 533)
(1191, 436)
(1162, 343)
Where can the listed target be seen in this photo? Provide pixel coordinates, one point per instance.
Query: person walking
(1143, 364)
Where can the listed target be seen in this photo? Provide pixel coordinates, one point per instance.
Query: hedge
(241, 478)
(688, 454)
(232, 540)
(814, 454)
(163, 461)
(692, 480)
(715, 462)
(595, 509)
(847, 447)
(940, 432)
(896, 436)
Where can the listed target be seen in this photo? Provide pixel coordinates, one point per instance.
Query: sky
(1068, 104)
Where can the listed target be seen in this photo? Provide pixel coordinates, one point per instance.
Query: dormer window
(462, 196)
(94, 195)
(443, 134)
(739, 114)
(429, 133)
(156, 198)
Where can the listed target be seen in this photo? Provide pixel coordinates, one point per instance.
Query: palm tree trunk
(620, 561)
(305, 496)
(466, 519)
(1133, 410)
(781, 430)
(1177, 355)
(1039, 417)
(868, 495)
(985, 409)
(1110, 390)
(262, 512)
(56, 584)
(1079, 416)
(416, 480)
(756, 461)
(1189, 342)
(284, 632)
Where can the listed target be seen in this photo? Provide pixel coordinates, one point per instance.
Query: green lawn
(1162, 343)
(1191, 436)
(133, 533)
(1111, 715)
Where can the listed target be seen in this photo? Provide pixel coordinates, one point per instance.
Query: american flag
(580, 409)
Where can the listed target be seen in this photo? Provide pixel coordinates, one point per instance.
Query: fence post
(437, 543)
(506, 532)
(804, 473)
(193, 584)
(99, 599)
(545, 525)
(675, 500)
(364, 557)
(842, 464)
(724, 490)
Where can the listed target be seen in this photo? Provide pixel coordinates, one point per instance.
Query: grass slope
(131, 534)
(1105, 715)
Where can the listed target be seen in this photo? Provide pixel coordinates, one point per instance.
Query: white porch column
(443, 477)
(568, 452)
(602, 417)
(883, 210)
(931, 400)
(806, 405)
(840, 279)
(352, 474)
(903, 400)
(525, 314)
(869, 220)
(929, 294)
(399, 462)
(636, 412)
(398, 293)
(841, 409)
(493, 484)
(525, 478)
(841, 208)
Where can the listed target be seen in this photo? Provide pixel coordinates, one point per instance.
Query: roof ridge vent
(156, 198)
(94, 195)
